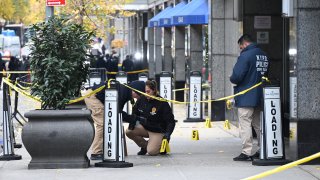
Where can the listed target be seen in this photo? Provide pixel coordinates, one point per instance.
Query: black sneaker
(163, 153)
(256, 155)
(242, 157)
(143, 151)
(96, 157)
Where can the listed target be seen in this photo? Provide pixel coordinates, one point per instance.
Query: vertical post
(195, 95)
(113, 141)
(49, 12)
(272, 143)
(166, 85)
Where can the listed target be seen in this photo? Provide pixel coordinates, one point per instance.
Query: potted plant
(55, 136)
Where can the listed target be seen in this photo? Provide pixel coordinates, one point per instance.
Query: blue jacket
(251, 65)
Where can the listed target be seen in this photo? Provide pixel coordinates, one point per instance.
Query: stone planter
(58, 138)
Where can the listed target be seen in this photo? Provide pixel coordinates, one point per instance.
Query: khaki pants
(138, 134)
(248, 118)
(97, 114)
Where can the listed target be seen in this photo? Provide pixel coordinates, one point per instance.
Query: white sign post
(113, 140)
(143, 77)
(195, 95)
(166, 86)
(272, 147)
(97, 76)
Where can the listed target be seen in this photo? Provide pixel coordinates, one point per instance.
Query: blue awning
(196, 12)
(166, 20)
(153, 22)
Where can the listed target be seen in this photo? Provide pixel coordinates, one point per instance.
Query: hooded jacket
(251, 65)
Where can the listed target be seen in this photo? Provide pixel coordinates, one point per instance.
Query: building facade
(286, 30)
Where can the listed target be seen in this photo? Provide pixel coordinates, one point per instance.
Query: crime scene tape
(7, 81)
(29, 72)
(204, 101)
(18, 72)
(130, 72)
(284, 167)
(27, 94)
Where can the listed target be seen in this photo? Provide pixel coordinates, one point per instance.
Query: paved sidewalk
(209, 158)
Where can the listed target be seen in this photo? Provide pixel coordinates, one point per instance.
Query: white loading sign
(165, 87)
(110, 127)
(195, 96)
(272, 112)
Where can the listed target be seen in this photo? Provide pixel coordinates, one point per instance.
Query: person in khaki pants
(96, 104)
(154, 120)
(251, 65)
(97, 114)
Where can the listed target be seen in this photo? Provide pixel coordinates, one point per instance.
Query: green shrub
(58, 61)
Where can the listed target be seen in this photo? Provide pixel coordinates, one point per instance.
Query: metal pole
(8, 148)
(49, 12)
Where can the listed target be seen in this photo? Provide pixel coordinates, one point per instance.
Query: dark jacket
(251, 65)
(127, 65)
(101, 63)
(124, 94)
(158, 115)
(112, 64)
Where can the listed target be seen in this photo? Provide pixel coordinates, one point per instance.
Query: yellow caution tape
(87, 95)
(23, 82)
(195, 135)
(130, 72)
(5, 80)
(22, 87)
(18, 72)
(29, 72)
(154, 97)
(284, 167)
(27, 94)
(109, 81)
(205, 101)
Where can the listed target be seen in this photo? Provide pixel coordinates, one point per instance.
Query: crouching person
(151, 119)
(96, 104)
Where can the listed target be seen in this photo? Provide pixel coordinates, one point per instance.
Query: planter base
(108, 164)
(60, 165)
(58, 139)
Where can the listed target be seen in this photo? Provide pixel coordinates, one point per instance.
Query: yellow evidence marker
(227, 125)
(208, 123)
(195, 135)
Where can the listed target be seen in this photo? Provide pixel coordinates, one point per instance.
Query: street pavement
(208, 158)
